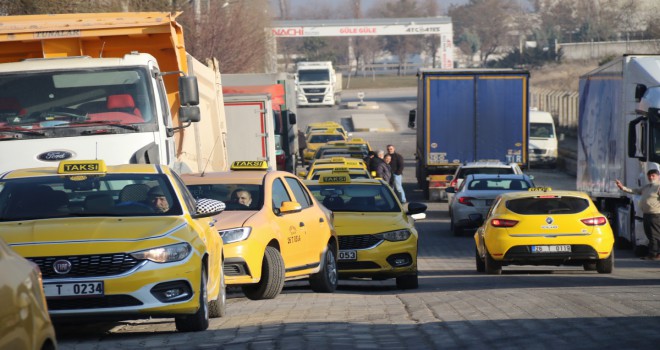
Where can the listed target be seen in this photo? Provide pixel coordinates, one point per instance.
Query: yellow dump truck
(113, 86)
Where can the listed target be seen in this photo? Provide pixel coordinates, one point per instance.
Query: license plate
(347, 255)
(73, 289)
(314, 100)
(551, 249)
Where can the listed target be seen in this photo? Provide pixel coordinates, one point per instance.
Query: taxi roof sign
(335, 178)
(249, 165)
(340, 170)
(82, 167)
(539, 189)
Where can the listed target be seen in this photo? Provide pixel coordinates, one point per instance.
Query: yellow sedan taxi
(377, 236)
(24, 320)
(120, 242)
(544, 227)
(333, 169)
(332, 163)
(316, 139)
(272, 227)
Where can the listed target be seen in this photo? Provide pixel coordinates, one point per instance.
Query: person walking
(388, 159)
(649, 203)
(378, 165)
(397, 172)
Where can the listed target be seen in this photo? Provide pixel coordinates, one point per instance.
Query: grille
(357, 265)
(92, 303)
(538, 151)
(314, 90)
(235, 269)
(88, 265)
(358, 242)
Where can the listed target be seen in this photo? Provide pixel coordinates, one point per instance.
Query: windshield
(45, 104)
(313, 75)
(363, 198)
(65, 196)
(320, 138)
(498, 184)
(550, 205)
(235, 196)
(541, 130)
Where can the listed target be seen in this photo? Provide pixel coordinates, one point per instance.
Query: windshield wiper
(108, 123)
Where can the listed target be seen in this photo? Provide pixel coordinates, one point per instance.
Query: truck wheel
(407, 282)
(218, 307)
(325, 281)
(481, 266)
(272, 277)
(491, 266)
(605, 265)
(198, 321)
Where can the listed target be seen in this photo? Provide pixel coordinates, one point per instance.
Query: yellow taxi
(317, 139)
(544, 227)
(333, 169)
(24, 319)
(352, 142)
(332, 163)
(377, 235)
(325, 126)
(124, 241)
(273, 229)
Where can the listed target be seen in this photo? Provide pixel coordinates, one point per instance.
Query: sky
(295, 5)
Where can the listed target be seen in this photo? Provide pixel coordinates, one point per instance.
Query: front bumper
(384, 260)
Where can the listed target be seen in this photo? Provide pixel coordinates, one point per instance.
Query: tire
(491, 266)
(481, 265)
(272, 277)
(590, 266)
(407, 282)
(605, 265)
(326, 280)
(198, 321)
(218, 307)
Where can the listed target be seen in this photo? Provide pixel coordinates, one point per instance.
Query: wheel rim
(331, 267)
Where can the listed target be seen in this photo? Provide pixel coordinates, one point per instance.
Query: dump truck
(618, 128)
(113, 86)
(467, 115)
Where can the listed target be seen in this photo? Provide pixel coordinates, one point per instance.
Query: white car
(477, 193)
(481, 167)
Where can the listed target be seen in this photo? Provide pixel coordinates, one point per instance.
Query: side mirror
(189, 114)
(290, 207)
(476, 218)
(188, 91)
(450, 189)
(292, 118)
(416, 208)
(640, 90)
(411, 118)
(208, 207)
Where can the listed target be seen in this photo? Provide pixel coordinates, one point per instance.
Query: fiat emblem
(62, 267)
(549, 220)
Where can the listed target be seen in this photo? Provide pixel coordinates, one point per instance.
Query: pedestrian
(397, 172)
(382, 168)
(649, 203)
(387, 158)
(369, 159)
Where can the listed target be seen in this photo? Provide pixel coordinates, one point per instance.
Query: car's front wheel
(218, 307)
(326, 280)
(198, 321)
(605, 265)
(272, 277)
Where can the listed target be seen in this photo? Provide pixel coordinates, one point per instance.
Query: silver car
(476, 194)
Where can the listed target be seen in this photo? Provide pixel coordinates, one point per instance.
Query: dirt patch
(563, 76)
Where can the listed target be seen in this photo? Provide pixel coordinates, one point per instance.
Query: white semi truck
(619, 138)
(113, 86)
(318, 84)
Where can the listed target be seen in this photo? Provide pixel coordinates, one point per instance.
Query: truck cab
(317, 84)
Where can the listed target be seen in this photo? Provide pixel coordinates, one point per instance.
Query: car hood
(79, 235)
(233, 218)
(368, 223)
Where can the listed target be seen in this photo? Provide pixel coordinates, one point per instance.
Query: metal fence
(563, 105)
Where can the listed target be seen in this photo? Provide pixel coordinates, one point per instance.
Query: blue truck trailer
(466, 115)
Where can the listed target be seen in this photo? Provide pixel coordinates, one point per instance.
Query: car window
(487, 171)
(498, 184)
(279, 194)
(299, 192)
(230, 193)
(545, 205)
(356, 198)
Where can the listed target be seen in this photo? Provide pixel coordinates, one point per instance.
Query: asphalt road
(454, 308)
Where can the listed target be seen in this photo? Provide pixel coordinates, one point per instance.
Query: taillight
(597, 221)
(453, 183)
(503, 223)
(466, 201)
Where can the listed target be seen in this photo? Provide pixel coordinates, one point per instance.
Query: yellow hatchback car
(120, 242)
(24, 320)
(544, 227)
(272, 227)
(377, 236)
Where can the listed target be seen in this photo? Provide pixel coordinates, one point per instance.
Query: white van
(542, 139)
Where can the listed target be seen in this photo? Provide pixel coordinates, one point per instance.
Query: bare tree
(432, 42)
(402, 46)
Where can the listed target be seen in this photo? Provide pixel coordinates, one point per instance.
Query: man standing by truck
(649, 203)
(397, 172)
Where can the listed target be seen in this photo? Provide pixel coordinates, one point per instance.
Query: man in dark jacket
(397, 172)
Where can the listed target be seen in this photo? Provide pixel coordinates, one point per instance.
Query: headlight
(170, 253)
(235, 234)
(394, 236)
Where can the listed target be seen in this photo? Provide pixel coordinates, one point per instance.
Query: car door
(316, 231)
(291, 225)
